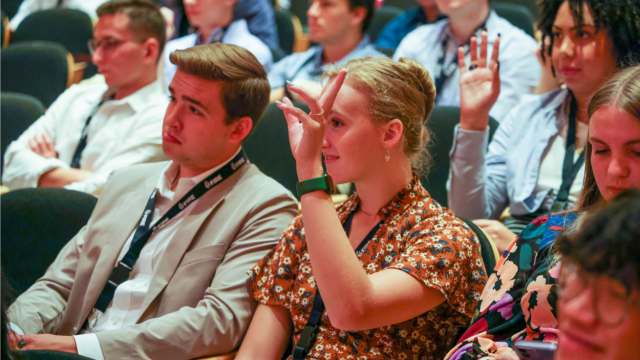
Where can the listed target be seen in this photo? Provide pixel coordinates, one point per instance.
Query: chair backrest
(36, 224)
(381, 17)
(488, 250)
(529, 4)
(402, 4)
(10, 7)
(277, 54)
(4, 30)
(68, 27)
(18, 112)
(38, 68)
(286, 30)
(518, 15)
(299, 9)
(268, 148)
(441, 124)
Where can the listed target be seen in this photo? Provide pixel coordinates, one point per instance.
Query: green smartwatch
(324, 183)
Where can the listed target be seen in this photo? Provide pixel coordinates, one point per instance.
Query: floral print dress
(519, 301)
(417, 236)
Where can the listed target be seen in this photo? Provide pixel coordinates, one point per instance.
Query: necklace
(373, 216)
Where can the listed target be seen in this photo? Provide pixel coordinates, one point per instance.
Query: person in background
(425, 13)
(258, 14)
(519, 300)
(411, 283)
(159, 271)
(436, 45)
(339, 27)
(215, 23)
(524, 166)
(28, 7)
(95, 128)
(599, 284)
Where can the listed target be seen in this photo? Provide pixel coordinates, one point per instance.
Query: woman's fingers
(494, 54)
(294, 115)
(312, 101)
(482, 62)
(329, 96)
(462, 65)
(473, 50)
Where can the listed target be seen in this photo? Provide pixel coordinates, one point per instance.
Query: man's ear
(392, 133)
(358, 16)
(152, 48)
(241, 129)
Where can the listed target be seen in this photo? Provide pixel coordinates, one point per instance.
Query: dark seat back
(286, 30)
(36, 224)
(38, 68)
(529, 4)
(381, 17)
(441, 123)
(268, 148)
(488, 256)
(518, 15)
(18, 112)
(70, 28)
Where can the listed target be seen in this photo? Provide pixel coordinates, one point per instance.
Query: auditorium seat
(38, 68)
(490, 255)
(518, 15)
(4, 32)
(286, 30)
(441, 124)
(381, 17)
(36, 224)
(18, 112)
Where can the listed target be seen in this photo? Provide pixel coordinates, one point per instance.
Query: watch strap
(324, 183)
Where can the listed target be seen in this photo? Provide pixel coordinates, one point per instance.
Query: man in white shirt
(28, 7)
(93, 129)
(159, 272)
(436, 45)
(214, 20)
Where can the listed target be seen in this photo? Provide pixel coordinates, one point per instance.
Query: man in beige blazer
(188, 294)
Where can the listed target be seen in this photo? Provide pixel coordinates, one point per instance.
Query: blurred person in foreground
(599, 284)
(520, 300)
(95, 128)
(160, 269)
(339, 28)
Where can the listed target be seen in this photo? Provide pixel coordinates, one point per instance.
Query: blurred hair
(368, 5)
(623, 92)
(245, 88)
(607, 241)
(146, 21)
(400, 90)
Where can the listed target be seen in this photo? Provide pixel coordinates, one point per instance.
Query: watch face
(330, 187)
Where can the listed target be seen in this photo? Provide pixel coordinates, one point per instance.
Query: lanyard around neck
(144, 230)
(570, 168)
(444, 72)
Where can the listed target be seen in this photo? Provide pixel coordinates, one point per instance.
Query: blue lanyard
(144, 231)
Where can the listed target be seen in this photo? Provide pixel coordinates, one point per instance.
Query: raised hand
(479, 86)
(43, 145)
(306, 131)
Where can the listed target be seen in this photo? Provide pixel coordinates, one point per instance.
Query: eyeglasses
(108, 44)
(611, 299)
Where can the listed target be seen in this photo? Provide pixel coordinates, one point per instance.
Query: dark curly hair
(619, 18)
(607, 241)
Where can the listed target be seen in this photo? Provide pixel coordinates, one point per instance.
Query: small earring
(388, 155)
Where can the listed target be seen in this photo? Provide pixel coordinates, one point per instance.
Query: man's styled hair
(368, 5)
(146, 19)
(245, 88)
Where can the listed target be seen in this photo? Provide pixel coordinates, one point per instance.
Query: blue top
(403, 24)
(308, 65)
(484, 182)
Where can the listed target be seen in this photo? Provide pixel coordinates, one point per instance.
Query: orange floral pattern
(419, 237)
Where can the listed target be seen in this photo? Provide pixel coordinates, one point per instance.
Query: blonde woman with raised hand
(416, 271)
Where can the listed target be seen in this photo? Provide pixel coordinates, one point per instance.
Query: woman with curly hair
(520, 299)
(534, 163)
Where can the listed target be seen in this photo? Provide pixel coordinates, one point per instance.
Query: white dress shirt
(28, 7)
(519, 67)
(126, 305)
(236, 34)
(122, 133)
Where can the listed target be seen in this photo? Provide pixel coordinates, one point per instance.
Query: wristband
(324, 183)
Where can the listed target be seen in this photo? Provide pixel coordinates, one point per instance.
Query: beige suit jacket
(199, 302)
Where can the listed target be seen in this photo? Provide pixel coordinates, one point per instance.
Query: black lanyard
(77, 155)
(308, 336)
(216, 38)
(144, 231)
(570, 168)
(444, 72)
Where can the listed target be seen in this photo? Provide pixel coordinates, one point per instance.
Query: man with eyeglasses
(93, 129)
